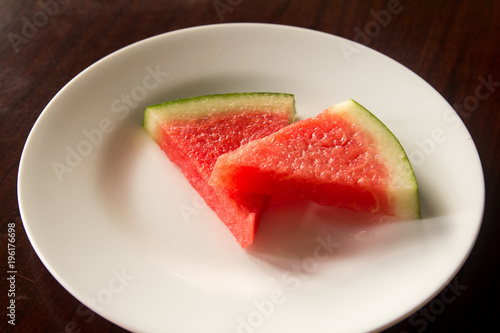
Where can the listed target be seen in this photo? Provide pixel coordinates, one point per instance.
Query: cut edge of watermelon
(407, 203)
(402, 191)
(218, 104)
(209, 105)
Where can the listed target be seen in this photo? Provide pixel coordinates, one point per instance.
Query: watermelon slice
(344, 157)
(194, 132)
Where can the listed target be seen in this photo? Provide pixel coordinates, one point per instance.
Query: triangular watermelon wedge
(194, 132)
(344, 157)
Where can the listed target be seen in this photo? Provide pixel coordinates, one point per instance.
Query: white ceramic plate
(118, 226)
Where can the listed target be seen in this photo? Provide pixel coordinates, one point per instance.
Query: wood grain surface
(453, 45)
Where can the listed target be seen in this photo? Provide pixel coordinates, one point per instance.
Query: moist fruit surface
(344, 157)
(194, 132)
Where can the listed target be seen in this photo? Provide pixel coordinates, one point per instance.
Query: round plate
(119, 227)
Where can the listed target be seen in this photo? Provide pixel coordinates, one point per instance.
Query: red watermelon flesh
(344, 157)
(194, 132)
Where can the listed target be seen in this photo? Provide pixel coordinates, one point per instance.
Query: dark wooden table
(453, 45)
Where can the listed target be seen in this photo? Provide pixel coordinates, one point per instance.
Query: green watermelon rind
(209, 105)
(408, 203)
